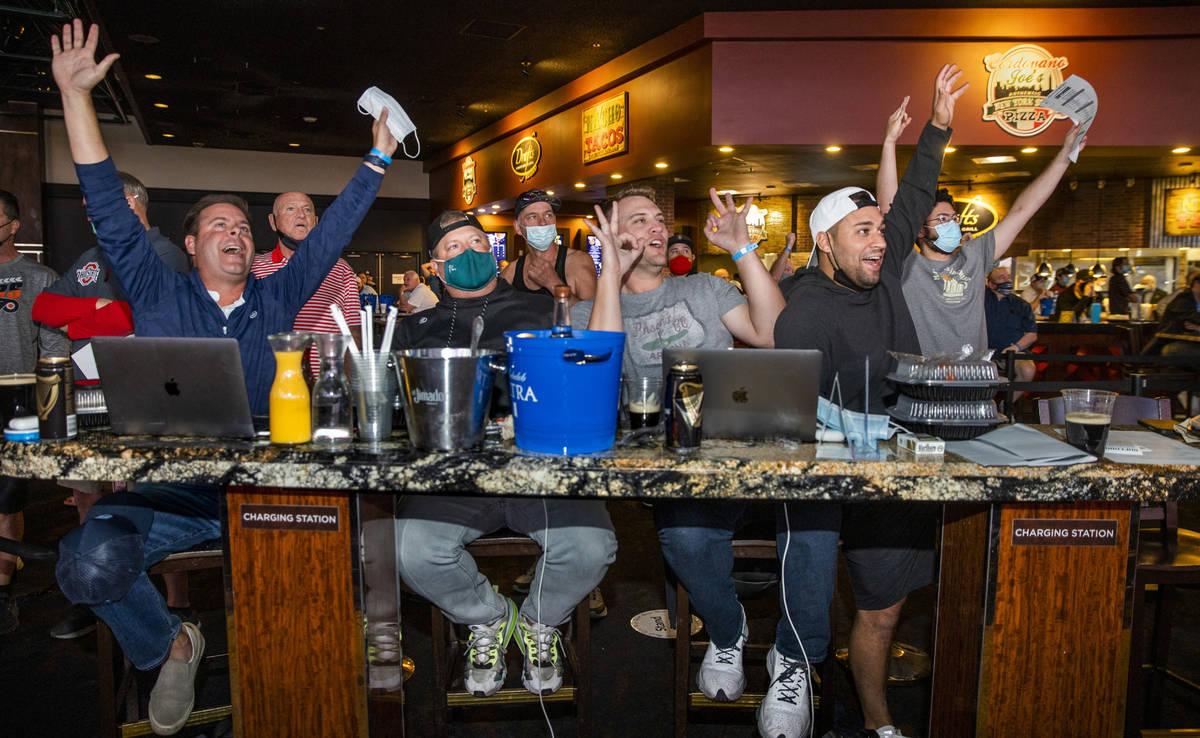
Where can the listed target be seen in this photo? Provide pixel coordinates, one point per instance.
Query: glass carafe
(291, 415)
(332, 416)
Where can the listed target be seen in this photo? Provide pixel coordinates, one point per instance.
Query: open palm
(74, 59)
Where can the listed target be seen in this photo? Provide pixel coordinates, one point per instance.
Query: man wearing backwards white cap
(851, 306)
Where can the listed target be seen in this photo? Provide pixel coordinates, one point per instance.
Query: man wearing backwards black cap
(851, 307)
(545, 264)
(431, 532)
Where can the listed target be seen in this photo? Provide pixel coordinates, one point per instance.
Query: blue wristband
(386, 159)
(745, 250)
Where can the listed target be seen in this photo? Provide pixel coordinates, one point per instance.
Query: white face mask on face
(540, 237)
(373, 101)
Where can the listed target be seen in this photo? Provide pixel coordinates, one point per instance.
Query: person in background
(723, 273)
(1150, 293)
(1010, 323)
(366, 284)
(24, 341)
(1075, 301)
(546, 264)
(681, 256)
(1120, 294)
(292, 218)
(1182, 315)
(87, 301)
(1036, 291)
(783, 262)
(415, 296)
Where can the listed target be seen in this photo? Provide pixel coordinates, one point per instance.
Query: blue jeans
(696, 538)
(169, 518)
(578, 546)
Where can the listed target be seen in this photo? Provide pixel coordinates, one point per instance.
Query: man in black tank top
(546, 264)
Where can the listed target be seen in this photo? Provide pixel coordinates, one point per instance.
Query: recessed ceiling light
(1181, 149)
(660, 165)
(595, 44)
(294, 145)
(580, 185)
(168, 135)
(949, 149)
(481, 210)
(589, 216)
(309, 119)
(1124, 249)
(727, 192)
(833, 149)
(495, 206)
(616, 175)
(1029, 150)
(725, 149)
(994, 159)
(161, 105)
(320, 28)
(153, 76)
(549, 192)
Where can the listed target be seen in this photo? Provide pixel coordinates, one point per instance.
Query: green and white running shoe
(542, 670)
(484, 670)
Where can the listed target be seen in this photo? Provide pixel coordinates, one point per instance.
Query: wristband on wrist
(744, 250)
(377, 161)
(380, 154)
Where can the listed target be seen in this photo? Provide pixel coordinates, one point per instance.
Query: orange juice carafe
(291, 412)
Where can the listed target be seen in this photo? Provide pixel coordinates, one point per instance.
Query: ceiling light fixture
(660, 165)
(833, 149)
(580, 185)
(616, 175)
(481, 210)
(725, 149)
(162, 106)
(949, 150)
(496, 205)
(294, 145)
(1029, 150)
(589, 216)
(994, 159)
(309, 119)
(153, 76)
(168, 135)
(1181, 150)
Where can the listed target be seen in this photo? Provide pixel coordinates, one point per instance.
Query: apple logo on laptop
(739, 396)
(172, 387)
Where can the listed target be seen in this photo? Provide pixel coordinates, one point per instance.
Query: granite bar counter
(762, 470)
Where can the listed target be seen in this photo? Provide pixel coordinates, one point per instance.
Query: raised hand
(73, 61)
(897, 122)
(727, 227)
(1075, 134)
(618, 251)
(381, 137)
(944, 95)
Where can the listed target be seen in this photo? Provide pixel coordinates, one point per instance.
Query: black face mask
(841, 277)
(1005, 288)
(288, 241)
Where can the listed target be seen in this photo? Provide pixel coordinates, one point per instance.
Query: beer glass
(1088, 416)
(644, 397)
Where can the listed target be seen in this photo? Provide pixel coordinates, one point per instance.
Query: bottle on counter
(562, 312)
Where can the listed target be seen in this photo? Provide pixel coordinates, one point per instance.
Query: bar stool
(448, 645)
(689, 652)
(118, 684)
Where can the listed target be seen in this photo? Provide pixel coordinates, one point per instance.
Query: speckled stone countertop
(718, 470)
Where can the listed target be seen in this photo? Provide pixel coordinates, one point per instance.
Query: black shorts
(14, 494)
(889, 550)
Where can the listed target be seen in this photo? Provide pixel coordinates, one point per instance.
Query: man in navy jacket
(102, 564)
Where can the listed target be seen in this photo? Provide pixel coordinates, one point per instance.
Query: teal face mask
(949, 235)
(470, 271)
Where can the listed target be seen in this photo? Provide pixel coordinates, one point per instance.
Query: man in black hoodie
(851, 307)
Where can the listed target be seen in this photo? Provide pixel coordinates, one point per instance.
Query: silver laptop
(756, 393)
(174, 386)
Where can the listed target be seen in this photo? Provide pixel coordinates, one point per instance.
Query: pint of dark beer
(644, 398)
(16, 397)
(1088, 416)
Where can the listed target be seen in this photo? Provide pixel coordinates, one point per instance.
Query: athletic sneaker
(888, 731)
(721, 676)
(542, 670)
(786, 710)
(596, 607)
(484, 670)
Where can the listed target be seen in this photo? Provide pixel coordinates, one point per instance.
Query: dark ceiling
(284, 75)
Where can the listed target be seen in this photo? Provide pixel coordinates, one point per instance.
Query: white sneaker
(721, 677)
(484, 670)
(786, 710)
(542, 670)
(888, 731)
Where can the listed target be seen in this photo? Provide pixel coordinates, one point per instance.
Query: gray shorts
(889, 550)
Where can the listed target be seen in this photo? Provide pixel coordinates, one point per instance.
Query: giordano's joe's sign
(1018, 79)
(976, 216)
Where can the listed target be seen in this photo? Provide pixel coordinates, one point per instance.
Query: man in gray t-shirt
(944, 284)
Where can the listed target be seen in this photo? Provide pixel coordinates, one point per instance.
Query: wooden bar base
(295, 628)
(1034, 639)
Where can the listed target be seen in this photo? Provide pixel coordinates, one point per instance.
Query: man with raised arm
(851, 307)
(103, 562)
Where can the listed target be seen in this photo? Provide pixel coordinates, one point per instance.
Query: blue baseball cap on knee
(100, 560)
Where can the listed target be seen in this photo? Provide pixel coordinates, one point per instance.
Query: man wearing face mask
(432, 531)
(681, 256)
(545, 264)
(1010, 322)
(944, 284)
(1075, 301)
(1120, 294)
(292, 217)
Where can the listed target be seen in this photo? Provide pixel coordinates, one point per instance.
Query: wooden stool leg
(1159, 650)
(105, 682)
(683, 651)
(1135, 693)
(583, 676)
(440, 632)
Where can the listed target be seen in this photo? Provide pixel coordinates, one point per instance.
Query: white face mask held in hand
(373, 101)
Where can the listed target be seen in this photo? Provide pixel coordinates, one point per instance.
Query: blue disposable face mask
(1126, 270)
(949, 235)
(864, 431)
(540, 237)
(1064, 281)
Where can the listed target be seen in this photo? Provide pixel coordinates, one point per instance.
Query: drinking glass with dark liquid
(1088, 415)
(645, 401)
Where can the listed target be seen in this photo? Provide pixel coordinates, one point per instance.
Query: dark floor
(48, 687)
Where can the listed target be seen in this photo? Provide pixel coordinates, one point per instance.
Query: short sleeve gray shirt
(685, 312)
(945, 298)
